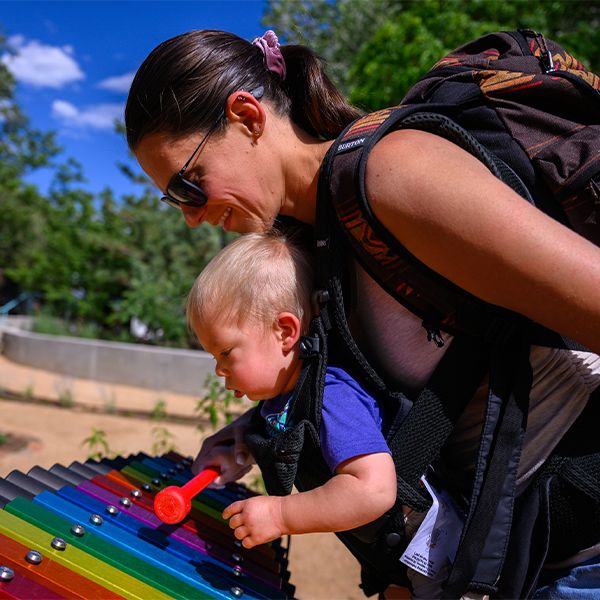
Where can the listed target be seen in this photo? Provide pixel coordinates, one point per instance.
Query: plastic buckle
(309, 346)
(319, 298)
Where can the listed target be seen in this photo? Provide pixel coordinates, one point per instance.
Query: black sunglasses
(181, 191)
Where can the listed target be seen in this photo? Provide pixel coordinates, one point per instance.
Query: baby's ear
(288, 328)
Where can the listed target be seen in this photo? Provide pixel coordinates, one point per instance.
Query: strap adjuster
(309, 346)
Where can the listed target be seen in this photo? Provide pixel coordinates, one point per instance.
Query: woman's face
(236, 174)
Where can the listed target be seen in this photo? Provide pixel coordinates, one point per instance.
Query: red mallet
(172, 504)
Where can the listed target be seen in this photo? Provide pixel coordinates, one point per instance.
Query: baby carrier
(531, 114)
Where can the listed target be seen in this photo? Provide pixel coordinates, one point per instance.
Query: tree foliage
(376, 49)
(93, 260)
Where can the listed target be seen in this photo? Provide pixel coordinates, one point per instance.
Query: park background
(88, 250)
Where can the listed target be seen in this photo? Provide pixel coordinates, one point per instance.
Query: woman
(234, 134)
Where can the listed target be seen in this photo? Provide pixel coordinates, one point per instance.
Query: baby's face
(252, 359)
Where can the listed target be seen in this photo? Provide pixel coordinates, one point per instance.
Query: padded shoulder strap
(440, 303)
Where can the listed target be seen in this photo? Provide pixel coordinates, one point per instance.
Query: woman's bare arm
(447, 209)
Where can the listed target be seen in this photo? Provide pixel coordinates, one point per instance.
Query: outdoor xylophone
(88, 531)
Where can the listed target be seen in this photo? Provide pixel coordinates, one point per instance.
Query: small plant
(162, 440)
(65, 394)
(110, 405)
(97, 444)
(109, 398)
(3, 438)
(28, 392)
(65, 398)
(159, 411)
(217, 403)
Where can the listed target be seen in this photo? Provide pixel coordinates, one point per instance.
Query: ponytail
(316, 104)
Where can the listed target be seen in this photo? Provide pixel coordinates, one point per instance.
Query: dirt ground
(54, 431)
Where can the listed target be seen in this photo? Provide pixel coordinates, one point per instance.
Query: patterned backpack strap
(438, 302)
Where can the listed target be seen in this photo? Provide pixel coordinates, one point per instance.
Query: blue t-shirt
(351, 422)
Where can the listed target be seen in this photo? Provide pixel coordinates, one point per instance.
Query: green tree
(96, 261)
(22, 149)
(376, 61)
(335, 30)
(164, 258)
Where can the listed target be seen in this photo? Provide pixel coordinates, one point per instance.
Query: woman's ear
(243, 108)
(288, 329)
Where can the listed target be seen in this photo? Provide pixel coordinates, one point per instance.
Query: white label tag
(434, 545)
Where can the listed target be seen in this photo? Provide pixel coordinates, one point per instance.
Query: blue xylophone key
(178, 541)
(207, 581)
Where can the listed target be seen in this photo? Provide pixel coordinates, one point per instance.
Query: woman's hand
(227, 451)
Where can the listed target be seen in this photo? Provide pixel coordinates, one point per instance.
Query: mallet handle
(195, 485)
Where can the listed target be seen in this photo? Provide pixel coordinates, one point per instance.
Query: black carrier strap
(482, 549)
(433, 416)
(481, 553)
(281, 458)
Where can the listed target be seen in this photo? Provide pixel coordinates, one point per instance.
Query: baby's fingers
(248, 542)
(234, 509)
(241, 533)
(236, 521)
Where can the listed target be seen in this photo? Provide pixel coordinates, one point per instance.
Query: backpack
(531, 114)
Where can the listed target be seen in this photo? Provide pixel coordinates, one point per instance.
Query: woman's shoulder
(418, 162)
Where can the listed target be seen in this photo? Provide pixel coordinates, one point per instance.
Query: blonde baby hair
(257, 276)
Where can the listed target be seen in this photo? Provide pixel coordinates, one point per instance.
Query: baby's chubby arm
(363, 488)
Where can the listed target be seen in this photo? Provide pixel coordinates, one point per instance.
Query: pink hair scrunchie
(269, 44)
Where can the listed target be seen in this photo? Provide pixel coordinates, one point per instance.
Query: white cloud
(41, 65)
(120, 84)
(98, 116)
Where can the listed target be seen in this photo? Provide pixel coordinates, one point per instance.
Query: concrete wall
(180, 371)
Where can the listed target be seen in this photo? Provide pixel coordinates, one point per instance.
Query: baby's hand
(256, 520)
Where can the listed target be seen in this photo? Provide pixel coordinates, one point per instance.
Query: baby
(249, 307)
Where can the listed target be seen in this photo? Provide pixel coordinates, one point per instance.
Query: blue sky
(75, 59)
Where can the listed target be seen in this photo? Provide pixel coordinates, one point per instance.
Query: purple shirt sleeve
(351, 422)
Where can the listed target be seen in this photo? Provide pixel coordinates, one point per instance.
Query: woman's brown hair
(182, 87)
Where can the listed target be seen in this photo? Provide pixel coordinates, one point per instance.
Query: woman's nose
(193, 215)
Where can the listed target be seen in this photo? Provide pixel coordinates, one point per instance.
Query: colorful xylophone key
(95, 521)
